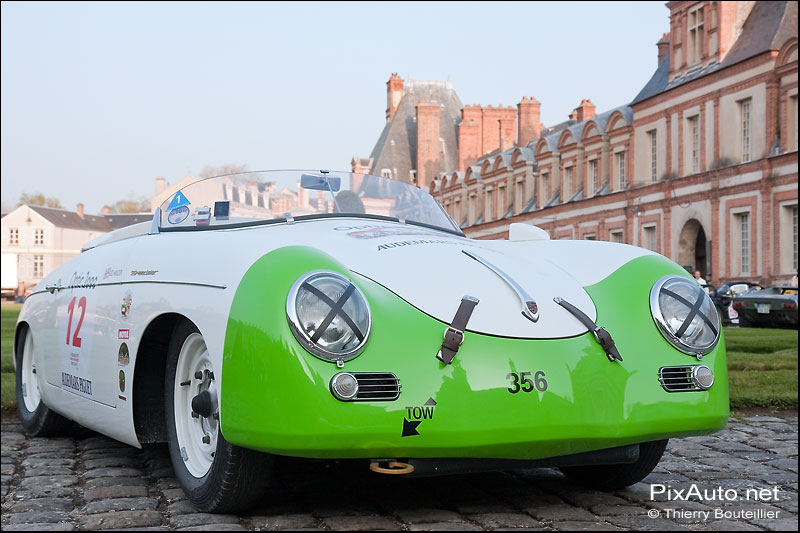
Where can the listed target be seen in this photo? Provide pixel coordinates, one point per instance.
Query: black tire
(237, 477)
(36, 418)
(613, 477)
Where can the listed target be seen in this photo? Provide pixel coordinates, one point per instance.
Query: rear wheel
(37, 419)
(612, 477)
(215, 475)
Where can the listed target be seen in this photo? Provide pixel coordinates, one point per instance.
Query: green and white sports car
(333, 315)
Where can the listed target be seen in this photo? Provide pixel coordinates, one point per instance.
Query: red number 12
(76, 341)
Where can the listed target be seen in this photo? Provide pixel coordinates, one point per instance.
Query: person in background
(699, 278)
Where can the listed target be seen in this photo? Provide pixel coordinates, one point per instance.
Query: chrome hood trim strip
(530, 309)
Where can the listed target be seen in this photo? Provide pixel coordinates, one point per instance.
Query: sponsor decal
(110, 273)
(416, 415)
(122, 381)
(178, 215)
(81, 385)
(123, 357)
(179, 200)
(82, 281)
(124, 334)
(127, 302)
(387, 231)
(351, 228)
(143, 272)
(400, 244)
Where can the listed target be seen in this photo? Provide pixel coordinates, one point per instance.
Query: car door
(87, 307)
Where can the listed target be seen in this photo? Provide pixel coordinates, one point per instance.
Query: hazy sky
(98, 99)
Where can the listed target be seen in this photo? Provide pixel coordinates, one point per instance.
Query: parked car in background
(723, 299)
(770, 307)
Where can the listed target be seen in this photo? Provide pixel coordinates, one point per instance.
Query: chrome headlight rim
(302, 336)
(666, 331)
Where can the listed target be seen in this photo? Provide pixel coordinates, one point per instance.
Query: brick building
(701, 166)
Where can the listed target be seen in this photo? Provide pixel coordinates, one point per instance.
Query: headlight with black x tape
(329, 315)
(685, 315)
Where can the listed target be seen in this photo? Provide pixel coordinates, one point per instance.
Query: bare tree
(40, 200)
(133, 205)
(209, 171)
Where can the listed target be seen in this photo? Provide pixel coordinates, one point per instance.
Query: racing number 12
(76, 341)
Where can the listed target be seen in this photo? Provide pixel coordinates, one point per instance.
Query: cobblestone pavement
(89, 482)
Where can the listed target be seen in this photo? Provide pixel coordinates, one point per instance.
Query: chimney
(79, 210)
(469, 136)
(530, 128)
(663, 47)
(508, 130)
(106, 210)
(585, 111)
(394, 92)
(161, 184)
(427, 142)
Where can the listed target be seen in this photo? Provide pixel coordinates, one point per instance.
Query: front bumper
(275, 396)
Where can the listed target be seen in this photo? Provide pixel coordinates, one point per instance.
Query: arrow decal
(410, 427)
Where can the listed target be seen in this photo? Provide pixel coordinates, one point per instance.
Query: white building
(37, 240)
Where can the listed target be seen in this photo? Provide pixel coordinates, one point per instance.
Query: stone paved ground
(89, 482)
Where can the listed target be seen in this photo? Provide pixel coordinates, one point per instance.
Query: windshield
(253, 198)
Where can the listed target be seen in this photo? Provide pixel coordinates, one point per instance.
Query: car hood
(430, 270)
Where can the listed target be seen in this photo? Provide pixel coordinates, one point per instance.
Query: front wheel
(612, 477)
(37, 419)
(216, 476)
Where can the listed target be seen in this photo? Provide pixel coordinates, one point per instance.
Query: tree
(133, 205)
(209, 171)
(39, 199)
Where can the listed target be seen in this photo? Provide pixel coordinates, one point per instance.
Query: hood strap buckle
(454, 334)
(601, 335)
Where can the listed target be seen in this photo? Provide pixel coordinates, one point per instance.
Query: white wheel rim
(197, 436)
(30, 379)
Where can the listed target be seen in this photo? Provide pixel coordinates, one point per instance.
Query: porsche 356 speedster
(332, 315)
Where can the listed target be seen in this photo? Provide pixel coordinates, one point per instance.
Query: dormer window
(696, 36)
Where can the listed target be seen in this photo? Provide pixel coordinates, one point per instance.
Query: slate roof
(397, 145)
(768, 26)
(527, 153)
(100, 223)
(121, 220)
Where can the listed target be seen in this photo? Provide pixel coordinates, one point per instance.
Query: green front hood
(275, 396)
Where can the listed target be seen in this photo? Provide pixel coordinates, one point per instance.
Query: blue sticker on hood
(179, 200)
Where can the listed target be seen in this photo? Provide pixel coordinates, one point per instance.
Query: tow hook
(390, 466)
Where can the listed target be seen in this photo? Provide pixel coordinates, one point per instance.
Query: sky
(98, 99)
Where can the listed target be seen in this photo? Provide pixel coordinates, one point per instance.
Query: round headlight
(685, 315)
(329, 315)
